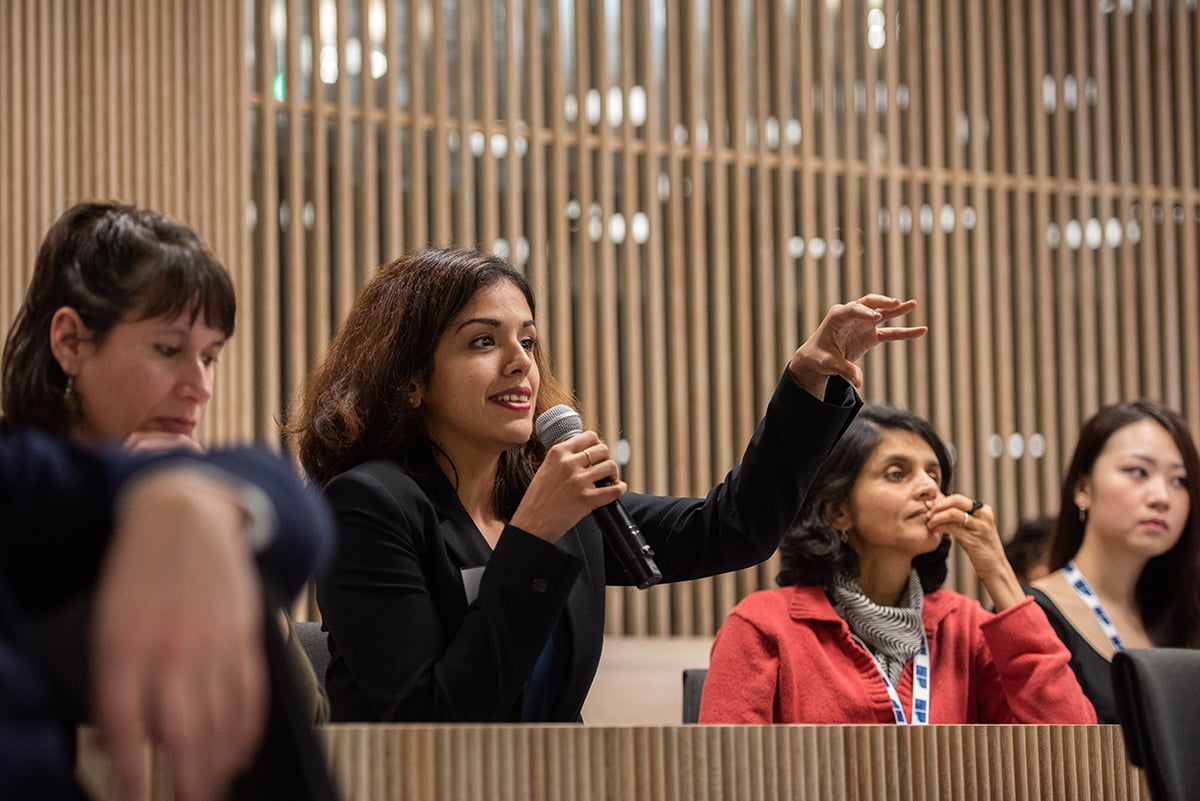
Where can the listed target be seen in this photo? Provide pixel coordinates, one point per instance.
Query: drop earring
(1082, 513)
(71, 397)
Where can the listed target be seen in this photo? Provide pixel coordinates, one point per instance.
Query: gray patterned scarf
(891, 633)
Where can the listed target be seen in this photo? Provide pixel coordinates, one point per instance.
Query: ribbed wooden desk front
(717, 763)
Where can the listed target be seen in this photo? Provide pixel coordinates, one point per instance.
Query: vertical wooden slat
(466, 232)
(322, 299)
(1043, 263)
(366, 218)
(534, 172)
(630, 383)
(1150, 139)
(561, 267)
(698, 255)
(417, 230)
(898, 391)
(296, 350)
(655, 432)
(1087, 356)
(916, 264)
(1163, 308)
(720, 290)
(268, 356)
(345, 211)
(514, 224)
(1107, 302)
(743, 413)
(488, 90)
(605, 298)
(767, 253)
(675, 240)
(440, 184)
(996, 114)
(393, 154)
(990, 347)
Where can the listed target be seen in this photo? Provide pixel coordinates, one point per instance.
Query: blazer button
(539, 586)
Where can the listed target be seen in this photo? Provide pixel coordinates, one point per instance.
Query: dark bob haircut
(812, 552)
(111, 263)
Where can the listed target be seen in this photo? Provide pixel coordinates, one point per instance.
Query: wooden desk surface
(711, 763)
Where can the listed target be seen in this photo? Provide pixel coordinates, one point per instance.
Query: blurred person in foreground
(170, 547)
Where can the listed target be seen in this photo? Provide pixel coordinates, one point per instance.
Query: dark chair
(693, 683)
(312, 639)
(1158, 703)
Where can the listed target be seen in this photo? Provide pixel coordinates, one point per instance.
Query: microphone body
(620, 532)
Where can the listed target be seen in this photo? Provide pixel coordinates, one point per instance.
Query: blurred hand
(176, 645)
(154, 441)
(563, 489)
(848, 331)
(976, 534)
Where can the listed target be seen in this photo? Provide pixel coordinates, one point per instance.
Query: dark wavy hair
(812, 552)
(357, 405)
(1168, 591)
(111, 263)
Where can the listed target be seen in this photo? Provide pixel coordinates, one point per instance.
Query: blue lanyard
(1089, 597)
(920, 685)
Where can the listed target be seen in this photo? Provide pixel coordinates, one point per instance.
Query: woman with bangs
(119, 334)
(117, 343)
(861, 631)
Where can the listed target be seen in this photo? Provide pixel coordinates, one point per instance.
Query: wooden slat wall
(678, 763)
(689, 184)
(141, 102)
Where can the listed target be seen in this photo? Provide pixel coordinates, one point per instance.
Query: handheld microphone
(560, 423)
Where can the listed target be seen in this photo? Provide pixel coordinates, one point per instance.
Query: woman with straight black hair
(861, 632)
(1126, 552)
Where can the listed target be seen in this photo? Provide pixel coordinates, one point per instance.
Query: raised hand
(848, 331)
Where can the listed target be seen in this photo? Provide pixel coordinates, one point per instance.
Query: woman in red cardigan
(860, 631)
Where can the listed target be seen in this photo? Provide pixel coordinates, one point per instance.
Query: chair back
(693, 684)
(1158, 703)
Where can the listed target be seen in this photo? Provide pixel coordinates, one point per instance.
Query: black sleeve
(743, 518)
(405, 644)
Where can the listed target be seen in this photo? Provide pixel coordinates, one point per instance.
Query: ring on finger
(588, 453)
(975, 507)
(966, 517)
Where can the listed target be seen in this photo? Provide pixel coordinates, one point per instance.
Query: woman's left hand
(973, 527)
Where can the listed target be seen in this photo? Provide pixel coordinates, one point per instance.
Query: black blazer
(407, 644)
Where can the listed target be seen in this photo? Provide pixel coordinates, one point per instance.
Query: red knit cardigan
(785, 656)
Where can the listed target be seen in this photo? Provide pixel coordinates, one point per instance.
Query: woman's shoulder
(383, 478)
(785, 602)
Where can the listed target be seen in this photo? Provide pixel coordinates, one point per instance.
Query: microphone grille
(556, 424)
